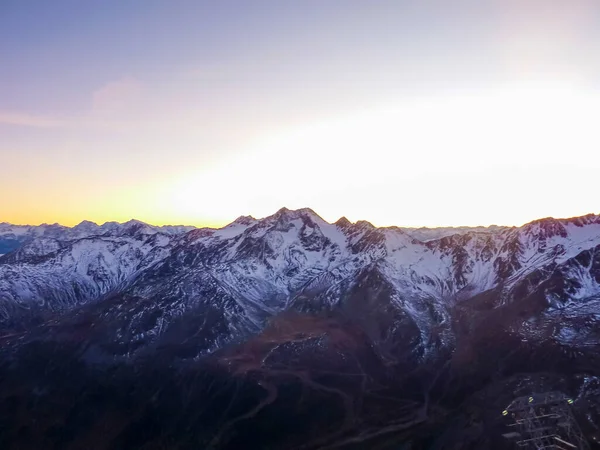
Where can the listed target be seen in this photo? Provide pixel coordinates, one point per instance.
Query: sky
(408, 113)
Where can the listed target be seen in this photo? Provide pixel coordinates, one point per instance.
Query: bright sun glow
(503, 157)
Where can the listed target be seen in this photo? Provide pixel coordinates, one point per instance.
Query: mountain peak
(307, 211)
(365, 224)
(86, 224)
(547, 227)
(245, 220)
(134, 227)
(343, 222)
(286, 214)
(296, 213)
(134, 222)
(585, 220)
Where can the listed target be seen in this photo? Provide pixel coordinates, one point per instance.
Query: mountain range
(292, 332)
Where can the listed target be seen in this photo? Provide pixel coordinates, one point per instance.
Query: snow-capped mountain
(54, 268)
(331, 333)
(251, 270)
(24, 233)
(428, 234)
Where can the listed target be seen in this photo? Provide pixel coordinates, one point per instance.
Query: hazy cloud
(117, 95)
(114, 97)
(29, 120)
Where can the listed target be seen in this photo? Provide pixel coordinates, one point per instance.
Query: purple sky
(106, 106)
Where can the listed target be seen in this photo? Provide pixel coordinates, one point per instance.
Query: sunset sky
(409, 113)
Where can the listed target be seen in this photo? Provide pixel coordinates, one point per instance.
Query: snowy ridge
(238, 276)
(86, 228)
(425, 234)
(57, 268)
(283, 260)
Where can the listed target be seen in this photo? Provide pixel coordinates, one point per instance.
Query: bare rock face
(291, 332)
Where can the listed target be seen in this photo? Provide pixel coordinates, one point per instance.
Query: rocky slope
(55, 268)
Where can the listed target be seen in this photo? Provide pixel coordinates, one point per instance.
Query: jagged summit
(245, 220)
(579, 221)
(307, 211)
(86, 225)
(134, 222)
(343, 222)
(365, 224)
(295, 213)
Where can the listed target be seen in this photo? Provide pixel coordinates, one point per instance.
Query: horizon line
(293, 210)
